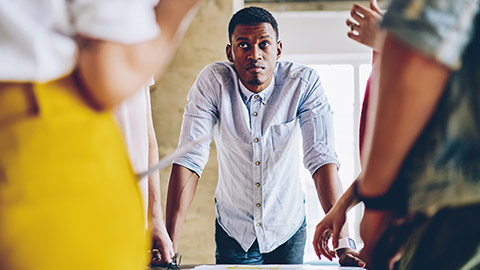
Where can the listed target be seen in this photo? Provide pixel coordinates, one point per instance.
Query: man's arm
(181, 190)
(329, 190)
(333, 224)
(111, 71)
(404, 103)
(160, 238)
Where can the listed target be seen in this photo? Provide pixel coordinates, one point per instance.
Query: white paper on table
(254, 267)
(275, 267)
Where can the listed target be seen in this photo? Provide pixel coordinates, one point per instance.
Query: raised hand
(364, 25)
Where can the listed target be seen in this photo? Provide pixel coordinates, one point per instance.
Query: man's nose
(255, 53)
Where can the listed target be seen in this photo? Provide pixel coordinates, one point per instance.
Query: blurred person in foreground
(68, 195)
(364, 25)
(421, 183)
(134, 116)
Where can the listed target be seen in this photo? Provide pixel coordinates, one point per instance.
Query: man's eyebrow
(241, 38)
(261, 37)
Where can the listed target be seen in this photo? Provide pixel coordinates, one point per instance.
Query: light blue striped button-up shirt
(258, 135)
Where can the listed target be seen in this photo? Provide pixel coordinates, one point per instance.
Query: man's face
(254, 52)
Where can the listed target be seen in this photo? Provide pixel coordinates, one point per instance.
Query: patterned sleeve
(199, 119)
(316, 123)
(440, 29)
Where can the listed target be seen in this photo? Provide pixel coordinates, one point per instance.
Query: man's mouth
(255, 68)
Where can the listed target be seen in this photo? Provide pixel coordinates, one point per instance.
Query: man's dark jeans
(230, 252)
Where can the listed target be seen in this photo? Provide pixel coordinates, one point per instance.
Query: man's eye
(265, 44)
(243, 45)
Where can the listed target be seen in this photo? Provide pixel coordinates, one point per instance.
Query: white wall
(316, 32)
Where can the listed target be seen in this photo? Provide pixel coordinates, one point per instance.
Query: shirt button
(257, 163)
(255, 113)
(256, 96)
(255, 140)
(258, 205)
(257, 184)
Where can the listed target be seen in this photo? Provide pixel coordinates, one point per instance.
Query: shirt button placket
(257, 162)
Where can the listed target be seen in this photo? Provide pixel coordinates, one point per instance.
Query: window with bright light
(344, 85)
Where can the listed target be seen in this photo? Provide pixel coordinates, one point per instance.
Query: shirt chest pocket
(282, 133)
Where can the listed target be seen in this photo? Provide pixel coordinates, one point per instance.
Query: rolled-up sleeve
(199, 119)
(316, 123)
(440, 29)
(123, 21)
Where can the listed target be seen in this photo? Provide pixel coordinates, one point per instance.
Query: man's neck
(257, 88)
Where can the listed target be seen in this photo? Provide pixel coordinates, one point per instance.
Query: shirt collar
(264, 94)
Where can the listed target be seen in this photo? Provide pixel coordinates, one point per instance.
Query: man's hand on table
(349, 257)
(162, 247)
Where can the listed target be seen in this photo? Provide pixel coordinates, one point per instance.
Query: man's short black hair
(251, 16)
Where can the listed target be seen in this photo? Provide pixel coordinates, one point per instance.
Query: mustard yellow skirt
(68, 196)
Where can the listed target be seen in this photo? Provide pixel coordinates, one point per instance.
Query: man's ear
(229, 52)
(279, 49)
